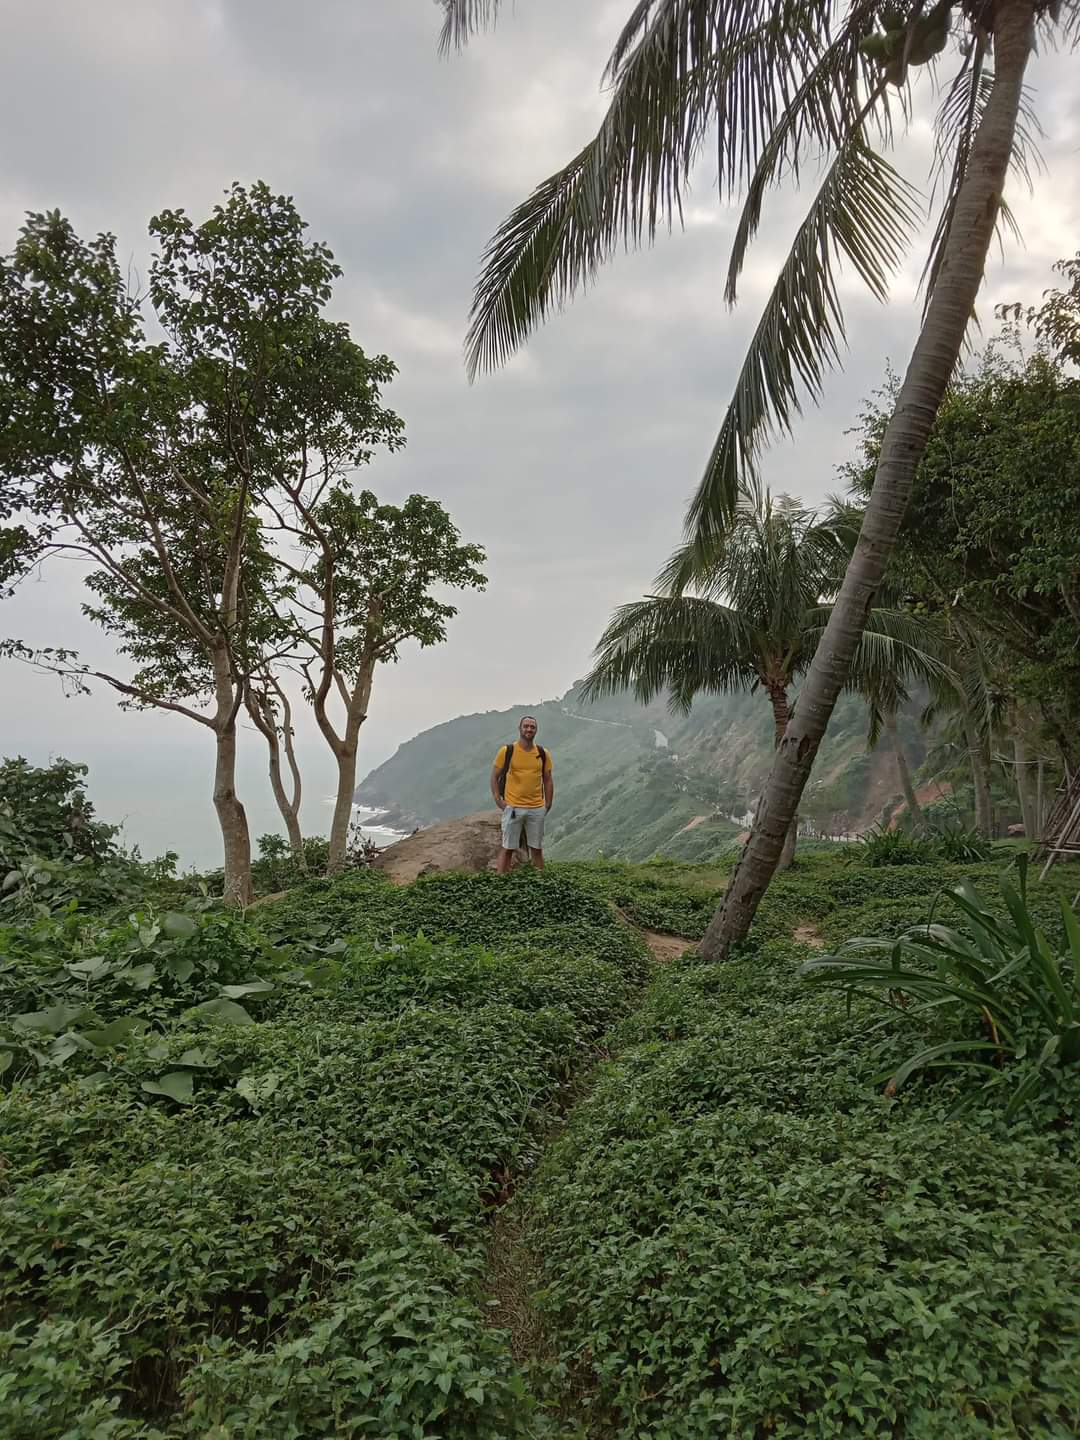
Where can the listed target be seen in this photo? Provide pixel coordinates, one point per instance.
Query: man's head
(527, 727)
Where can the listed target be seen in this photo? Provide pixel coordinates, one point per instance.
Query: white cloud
(574, 464)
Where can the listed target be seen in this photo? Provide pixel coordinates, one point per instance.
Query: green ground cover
(250, 1167)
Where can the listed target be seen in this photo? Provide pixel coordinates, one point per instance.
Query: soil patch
(666, 947)
(808, 935)
(692, 824)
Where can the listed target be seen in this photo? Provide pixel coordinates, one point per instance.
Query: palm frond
(955, 125)
(1060, 22)
(774, 560)
(462, 19)
(680, 68)
(865, 211)
(681, 646)
(825, 109)
(896, 648)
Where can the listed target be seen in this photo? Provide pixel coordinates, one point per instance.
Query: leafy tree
(992, 536)
(54, 852)
(47, 808)
(756, 620)
(782, 86)
(366, 584)
(991, 544)
(1056, 321)
(154, 460)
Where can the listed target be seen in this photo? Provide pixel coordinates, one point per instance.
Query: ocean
(381, 834)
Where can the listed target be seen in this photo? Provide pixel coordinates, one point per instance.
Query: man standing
(523, 789)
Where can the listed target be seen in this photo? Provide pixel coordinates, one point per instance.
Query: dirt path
(692, 824)
(510, 1272)
(666, 947)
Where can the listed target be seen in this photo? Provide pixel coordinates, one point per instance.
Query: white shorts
(523, 823)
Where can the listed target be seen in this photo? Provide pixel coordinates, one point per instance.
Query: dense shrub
(270, 1223)
(54, 854)
(262, 1211)
(939, 843)
(551, 909)
(739, 1235)
(988, 995)
(72, 989)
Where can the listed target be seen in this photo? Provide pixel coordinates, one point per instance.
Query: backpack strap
(505, 768)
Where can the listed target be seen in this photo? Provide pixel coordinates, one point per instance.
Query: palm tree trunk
(980, 778)
(932, 363)
(781, 715)
(911, 800)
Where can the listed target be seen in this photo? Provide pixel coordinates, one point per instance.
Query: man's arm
(499, 801)
(549, 788)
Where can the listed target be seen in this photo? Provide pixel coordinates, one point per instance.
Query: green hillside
(634, 780)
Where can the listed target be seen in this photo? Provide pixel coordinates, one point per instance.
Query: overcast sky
(572, 467)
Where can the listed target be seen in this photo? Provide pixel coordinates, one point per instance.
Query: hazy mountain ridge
(620, 790)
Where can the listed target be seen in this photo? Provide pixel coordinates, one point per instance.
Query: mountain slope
(634, 780)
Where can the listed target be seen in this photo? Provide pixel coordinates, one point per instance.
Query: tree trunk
(911, 800)
(980, 777)
(932, 363)
(287, 808)
(343, 803)
(781, 715)
(345, 752)
(1024, 781)
(262, 713)
(236, 840)
(232, 819)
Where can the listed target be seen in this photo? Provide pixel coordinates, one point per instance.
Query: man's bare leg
(537, 858)
(505, 860)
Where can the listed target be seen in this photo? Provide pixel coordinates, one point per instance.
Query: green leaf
(90, 968)
(177, 926)
(115, 1032)
(227, 1012)
(179, 968)
(64, 1046)
(925, 1058)
(6, 1060)
(1072, 934)
(197, 1059)
(51, 1021)
(257, 1089)
(253, 987)
(139, 977)
(176, 1085)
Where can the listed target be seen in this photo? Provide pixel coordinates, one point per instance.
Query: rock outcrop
(468, 843)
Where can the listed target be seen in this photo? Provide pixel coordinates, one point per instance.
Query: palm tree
(760, 608)
(886, 700)
(781, 84)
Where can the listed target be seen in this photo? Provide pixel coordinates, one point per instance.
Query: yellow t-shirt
(524, 783)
